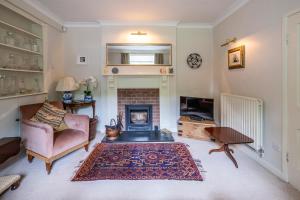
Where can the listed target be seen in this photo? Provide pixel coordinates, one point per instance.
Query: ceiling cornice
(176, 24)
(137, 23)
(31, 8)
(44, 10)
(195, 25)
(230, 11)
(82, 24)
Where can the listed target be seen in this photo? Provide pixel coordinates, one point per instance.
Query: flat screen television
(197, 108)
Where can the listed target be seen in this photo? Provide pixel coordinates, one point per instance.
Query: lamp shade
(66, 84)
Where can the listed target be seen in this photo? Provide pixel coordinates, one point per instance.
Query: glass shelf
(20, 23)
(20, 70)
(14, 28)
(18, 83)
(19, 49)
(21, 95)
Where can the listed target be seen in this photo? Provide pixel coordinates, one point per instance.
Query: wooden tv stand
(194, 129)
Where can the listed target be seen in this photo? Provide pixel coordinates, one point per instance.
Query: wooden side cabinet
(9, 147)
(93, 128)
(194, 129)
(80, 104)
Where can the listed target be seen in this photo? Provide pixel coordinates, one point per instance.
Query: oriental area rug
(139, 161)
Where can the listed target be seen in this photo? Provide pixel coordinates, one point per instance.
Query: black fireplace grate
(138, 117)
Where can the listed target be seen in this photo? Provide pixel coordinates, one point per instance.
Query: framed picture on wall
(236, 58)
(81, 60)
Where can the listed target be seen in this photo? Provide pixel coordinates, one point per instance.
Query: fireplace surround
(139, 101)
(122, 90)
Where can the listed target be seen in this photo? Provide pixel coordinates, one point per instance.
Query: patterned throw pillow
(52, 116)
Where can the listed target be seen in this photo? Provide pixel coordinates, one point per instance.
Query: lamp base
(67, 97)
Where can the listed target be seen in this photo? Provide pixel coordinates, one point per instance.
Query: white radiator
(244, 114)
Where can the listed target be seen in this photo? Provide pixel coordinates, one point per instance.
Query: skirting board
(262, 162)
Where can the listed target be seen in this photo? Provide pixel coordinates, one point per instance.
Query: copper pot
(112, 131)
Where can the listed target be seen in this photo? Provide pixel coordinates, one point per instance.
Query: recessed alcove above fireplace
(140, 108)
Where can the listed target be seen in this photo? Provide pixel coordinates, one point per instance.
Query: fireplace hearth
(138, 118)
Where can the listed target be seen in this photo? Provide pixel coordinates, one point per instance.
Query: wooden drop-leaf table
(227, 136)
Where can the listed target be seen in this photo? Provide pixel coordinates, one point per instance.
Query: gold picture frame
(236, 58)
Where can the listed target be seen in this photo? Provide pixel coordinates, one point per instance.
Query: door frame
(284, 93)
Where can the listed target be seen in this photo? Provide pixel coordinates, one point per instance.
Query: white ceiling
(184, 11)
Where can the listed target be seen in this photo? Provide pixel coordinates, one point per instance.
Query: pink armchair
(42, 142)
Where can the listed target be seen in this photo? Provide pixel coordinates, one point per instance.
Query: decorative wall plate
(194, 60)
(115, 70)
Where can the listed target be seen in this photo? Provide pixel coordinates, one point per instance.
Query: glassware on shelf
(35, 46)
(18, 62)
(13, 85)
(26, 43)
(20, 55)
(18, 40)
(7, 85)
(1, 36)
(11, 61)
(10, 38)
(2, 86)
(1, 62)
(22, 88)
(36, 64)
(26, 62)
(37, 87)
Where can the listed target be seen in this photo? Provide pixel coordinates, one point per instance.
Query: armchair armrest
(78, 122)
(37, 137)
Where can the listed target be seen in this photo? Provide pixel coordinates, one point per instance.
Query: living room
(234, 63)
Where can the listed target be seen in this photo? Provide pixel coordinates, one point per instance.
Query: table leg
(94, 108)
(227, 151)
(217, 150)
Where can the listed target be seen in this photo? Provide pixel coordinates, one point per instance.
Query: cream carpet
(222, 180)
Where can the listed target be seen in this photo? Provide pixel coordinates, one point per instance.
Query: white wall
(194, 82)
(55, 61)
(84, 42)
(258, 26)
(92, 43)
(155, 34)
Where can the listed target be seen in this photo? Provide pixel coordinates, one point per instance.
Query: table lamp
(66, 85)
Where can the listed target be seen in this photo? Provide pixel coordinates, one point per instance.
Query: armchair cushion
(67, 139)
(52, 116)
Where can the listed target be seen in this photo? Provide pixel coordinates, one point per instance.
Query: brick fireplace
(159, 91)
(140, 97)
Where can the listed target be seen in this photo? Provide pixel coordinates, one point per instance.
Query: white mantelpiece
(166, 95)
(139, 70)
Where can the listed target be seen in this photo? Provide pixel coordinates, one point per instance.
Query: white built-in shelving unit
(21, 55)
